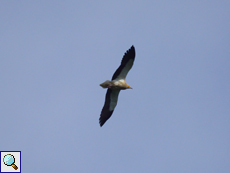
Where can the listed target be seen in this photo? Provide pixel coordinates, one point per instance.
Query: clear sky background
(54, 55)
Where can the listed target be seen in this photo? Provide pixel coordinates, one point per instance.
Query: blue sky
(54, 55)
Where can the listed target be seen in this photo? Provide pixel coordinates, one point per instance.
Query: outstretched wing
(126, 64)
(109, 106)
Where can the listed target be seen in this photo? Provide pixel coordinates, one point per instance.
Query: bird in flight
(117, 84)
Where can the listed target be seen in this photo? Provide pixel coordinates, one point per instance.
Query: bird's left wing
(109, 106)
(126, 64)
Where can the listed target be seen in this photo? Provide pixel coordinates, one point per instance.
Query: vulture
(117, 84)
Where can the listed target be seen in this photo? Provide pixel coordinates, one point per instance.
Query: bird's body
(116, 84)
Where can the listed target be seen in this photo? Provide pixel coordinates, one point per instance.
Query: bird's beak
(130, 87)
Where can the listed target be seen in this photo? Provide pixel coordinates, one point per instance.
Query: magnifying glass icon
(9, 161)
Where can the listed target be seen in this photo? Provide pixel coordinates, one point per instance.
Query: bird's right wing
(109, 106)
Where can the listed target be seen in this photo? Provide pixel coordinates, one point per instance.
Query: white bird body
(115, 84)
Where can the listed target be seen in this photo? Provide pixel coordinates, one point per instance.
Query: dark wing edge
(111, 95)
(129, 55)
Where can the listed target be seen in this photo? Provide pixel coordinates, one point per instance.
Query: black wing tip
(131, 51)
(101, 122)
(132, 48)
(104, 117)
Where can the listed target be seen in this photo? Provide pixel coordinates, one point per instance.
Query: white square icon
(10, 161)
